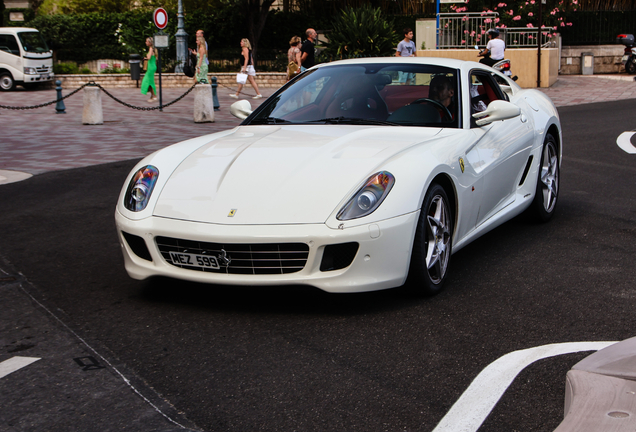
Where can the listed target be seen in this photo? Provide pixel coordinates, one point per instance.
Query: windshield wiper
(269, 120)
(351, 120)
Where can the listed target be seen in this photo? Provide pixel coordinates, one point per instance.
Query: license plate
(625, 58)
(44, 76)
(194, 260)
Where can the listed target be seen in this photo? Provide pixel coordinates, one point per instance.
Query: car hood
(280, 174)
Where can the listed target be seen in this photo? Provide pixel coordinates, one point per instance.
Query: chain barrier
(44, 104)
(93, 83)
(145, 108)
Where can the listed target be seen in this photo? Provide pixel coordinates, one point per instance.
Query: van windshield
(33, 42)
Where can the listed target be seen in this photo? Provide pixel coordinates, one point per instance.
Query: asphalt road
(298, 359)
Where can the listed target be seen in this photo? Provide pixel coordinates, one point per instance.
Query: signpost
(161, 40)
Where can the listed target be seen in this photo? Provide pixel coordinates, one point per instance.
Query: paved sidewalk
(40, 140)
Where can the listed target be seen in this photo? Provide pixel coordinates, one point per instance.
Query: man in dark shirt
(307, 50)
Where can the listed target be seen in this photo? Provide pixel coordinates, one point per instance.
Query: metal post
(215, 98)
(59, 106)
(539, 44)
(159, 67)
(182, 40)
(437, 25)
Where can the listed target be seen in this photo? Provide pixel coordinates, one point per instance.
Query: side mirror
(497, 110)
(241, 109)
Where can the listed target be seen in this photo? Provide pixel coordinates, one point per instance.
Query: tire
(630, 66)
(547, 192)
(7, 83)
(432, 245)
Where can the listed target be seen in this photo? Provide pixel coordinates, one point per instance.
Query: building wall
(607, 59)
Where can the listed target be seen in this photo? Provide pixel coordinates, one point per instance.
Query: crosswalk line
(14, 364)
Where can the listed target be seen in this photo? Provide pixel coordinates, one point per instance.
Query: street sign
(161, 18)
(161, 40)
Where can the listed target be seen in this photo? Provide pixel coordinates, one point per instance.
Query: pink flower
(562, 24)
(569, 24)
(530, 14)
(517, 18)
(487, 20)
(463, 41)
(529, 25)
(496, 20)
(502, 5)
(531, 2)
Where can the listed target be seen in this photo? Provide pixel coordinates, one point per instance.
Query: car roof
(433, 61)
(16, 30)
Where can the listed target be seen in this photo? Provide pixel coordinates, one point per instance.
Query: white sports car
(357, 175)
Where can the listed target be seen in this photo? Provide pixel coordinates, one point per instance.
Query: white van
(25, 59)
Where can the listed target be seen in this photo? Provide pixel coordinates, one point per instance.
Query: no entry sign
(161, 18)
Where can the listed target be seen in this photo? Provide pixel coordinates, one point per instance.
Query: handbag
(292, 67)
(189, 67)
(241, 78)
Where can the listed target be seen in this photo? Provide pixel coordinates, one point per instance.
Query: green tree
(361, 32)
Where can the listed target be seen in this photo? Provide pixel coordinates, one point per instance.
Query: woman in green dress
(202, 67)
(149, 78)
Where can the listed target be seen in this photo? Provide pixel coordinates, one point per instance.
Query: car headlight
(369, 197)
(140, 188)
(30, 71)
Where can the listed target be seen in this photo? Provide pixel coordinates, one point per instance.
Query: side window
(502, 84)
(9, 44)
(483, 90)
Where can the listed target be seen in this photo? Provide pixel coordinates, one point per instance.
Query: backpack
(190, 65)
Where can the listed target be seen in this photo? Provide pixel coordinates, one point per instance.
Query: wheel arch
(446, 182)
(554, 131)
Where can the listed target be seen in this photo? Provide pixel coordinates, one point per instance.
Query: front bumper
(382, 260)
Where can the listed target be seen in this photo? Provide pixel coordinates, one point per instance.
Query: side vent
(338, 256)
(525, 171)
(138, 246)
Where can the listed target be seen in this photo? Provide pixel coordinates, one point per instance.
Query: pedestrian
(247, 68)
(293, 58)
(148, 82)
(201, 75)
(308, 58)
(406, 47)
(201, 33)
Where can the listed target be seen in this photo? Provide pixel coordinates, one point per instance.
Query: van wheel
(6, 82)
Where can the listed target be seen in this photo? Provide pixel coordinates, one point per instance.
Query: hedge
(93, 36)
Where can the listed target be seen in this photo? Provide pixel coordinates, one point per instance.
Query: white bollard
(92, 114)
(203, 104)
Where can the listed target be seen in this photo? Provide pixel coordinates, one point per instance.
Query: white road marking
(472, 408)
(14, 364)
(624, 141)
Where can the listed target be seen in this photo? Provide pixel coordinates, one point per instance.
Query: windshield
(383, 94)
(33, 42)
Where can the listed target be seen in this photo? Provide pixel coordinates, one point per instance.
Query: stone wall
(168, 80)
(607, 59)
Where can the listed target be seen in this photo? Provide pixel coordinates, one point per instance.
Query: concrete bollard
(92, 114)
(203, 106)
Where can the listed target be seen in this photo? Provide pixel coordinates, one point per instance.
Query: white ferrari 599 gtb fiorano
(357, 175)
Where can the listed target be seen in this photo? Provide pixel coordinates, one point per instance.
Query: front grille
(256, 258)
(43, 69)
